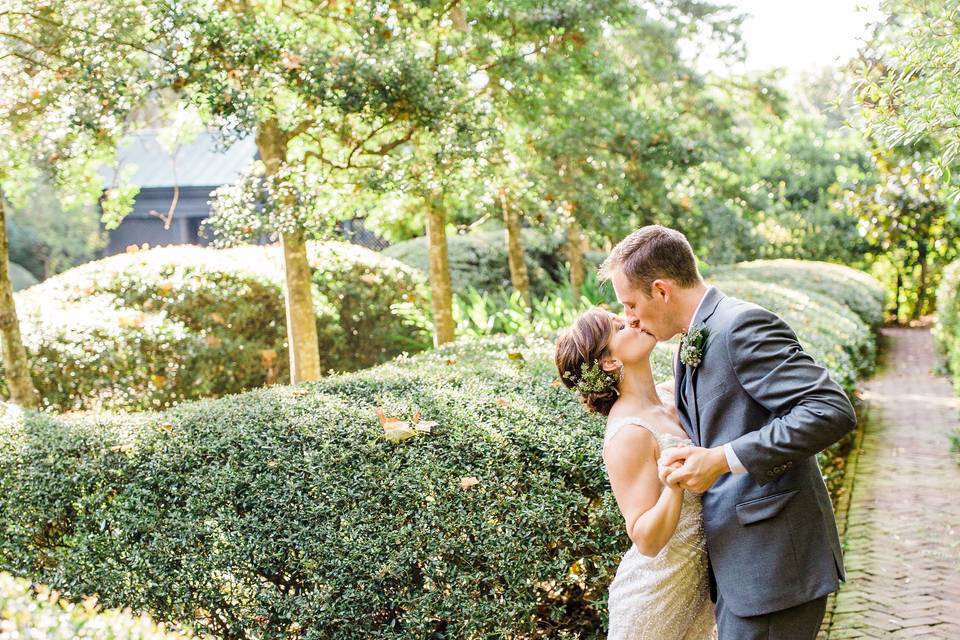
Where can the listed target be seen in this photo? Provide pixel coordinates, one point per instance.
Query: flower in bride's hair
(593, 379)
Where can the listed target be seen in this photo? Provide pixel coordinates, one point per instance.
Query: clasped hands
(692, 468)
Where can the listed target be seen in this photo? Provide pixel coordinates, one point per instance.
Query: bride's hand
(664, 471)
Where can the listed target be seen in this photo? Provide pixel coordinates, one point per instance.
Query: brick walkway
(902, 543)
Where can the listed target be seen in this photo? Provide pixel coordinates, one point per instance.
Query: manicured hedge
(28, 611)
(478, 260)
(947, 328)
(285, 513)
(149, 329)
(856, 289)
(364, 288)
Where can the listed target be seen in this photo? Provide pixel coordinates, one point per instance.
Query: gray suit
(771, 535)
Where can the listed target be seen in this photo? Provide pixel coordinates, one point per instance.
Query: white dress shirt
(732, 460)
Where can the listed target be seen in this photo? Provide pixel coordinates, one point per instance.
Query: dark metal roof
(197, 164)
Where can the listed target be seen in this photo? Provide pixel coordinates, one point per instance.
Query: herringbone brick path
(902, 543)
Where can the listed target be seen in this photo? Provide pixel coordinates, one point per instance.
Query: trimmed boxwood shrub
(149, 329)
(35, 611)
(856, 289)
(478, 260)
(364, 288)
(947, 329)
(285, 513)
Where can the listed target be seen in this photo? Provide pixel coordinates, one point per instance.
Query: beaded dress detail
(666, 597)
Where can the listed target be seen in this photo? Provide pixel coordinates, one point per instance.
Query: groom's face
(650, 314)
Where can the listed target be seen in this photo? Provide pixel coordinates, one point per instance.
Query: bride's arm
(650, 510)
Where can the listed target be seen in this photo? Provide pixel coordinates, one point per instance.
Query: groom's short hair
(653, 252)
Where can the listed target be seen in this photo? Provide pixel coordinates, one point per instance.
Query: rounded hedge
(148, 329)
(856, 289)
(947, 328)
(285, 512)
(35, 611)
(478, 260)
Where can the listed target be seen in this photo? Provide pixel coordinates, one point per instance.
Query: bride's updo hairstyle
(579, 350)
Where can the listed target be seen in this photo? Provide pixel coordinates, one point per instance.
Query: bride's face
(651, 314)
(627, 344)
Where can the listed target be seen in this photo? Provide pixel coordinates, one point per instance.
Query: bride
(661, 588)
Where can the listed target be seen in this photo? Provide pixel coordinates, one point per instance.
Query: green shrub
(146, 330)
(856, 289)
(478, 260)
(285, 513)
(20, 278)
(947, 329)
(28, 611)
(25, 248)
(365, 288)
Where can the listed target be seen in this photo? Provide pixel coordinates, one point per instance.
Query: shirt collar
(700, 304)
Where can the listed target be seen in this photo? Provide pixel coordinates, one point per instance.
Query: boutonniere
(691, 345)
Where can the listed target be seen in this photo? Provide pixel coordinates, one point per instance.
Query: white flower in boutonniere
(691, 345)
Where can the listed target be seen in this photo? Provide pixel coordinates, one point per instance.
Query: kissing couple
(714, 472)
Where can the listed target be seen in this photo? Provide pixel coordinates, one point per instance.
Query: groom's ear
(661, 289)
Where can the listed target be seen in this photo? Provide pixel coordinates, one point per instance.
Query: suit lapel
(683, 407)
(677, 374)
(710, 302)
(691, 379)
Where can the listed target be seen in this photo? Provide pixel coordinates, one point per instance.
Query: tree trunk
(440, 288)
(515, 253)
(16, 367)
(575, 257)
(924, 275)
(301, 321)
(304, 347)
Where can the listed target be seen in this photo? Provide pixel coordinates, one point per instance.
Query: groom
(758, 409)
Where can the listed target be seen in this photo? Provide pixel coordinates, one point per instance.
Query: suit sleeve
(812, 411)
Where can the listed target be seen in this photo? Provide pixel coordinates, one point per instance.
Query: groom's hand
(663, 472)
(701, 467)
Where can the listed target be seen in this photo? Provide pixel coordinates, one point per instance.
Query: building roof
(197, 164)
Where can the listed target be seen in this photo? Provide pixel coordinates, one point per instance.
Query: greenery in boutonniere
(691, 345)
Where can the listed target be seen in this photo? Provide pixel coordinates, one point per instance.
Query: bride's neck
(637, 385)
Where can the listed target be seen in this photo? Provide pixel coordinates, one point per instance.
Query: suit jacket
(771, 535)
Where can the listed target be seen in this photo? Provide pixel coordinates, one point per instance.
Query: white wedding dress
(666, 597)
